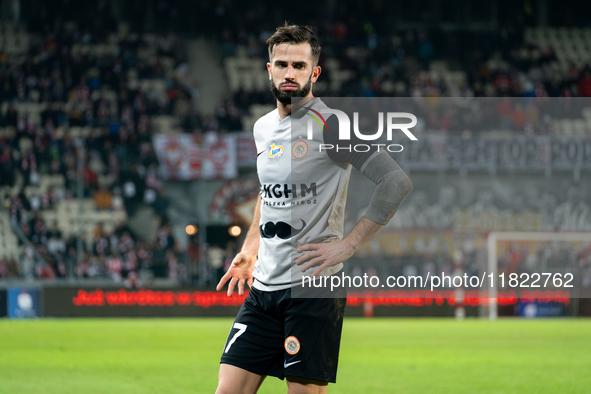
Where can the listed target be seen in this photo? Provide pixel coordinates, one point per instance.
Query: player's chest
(288, 154)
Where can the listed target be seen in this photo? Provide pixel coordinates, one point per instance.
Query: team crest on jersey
(276, 151)
(300, 149)
(292, 345)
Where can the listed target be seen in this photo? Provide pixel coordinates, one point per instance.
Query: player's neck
(285, 109)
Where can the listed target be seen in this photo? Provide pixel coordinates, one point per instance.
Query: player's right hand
(240, 271)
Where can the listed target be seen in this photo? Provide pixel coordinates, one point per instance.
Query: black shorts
(276, 335)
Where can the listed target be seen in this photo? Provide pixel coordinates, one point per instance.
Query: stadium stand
(109, 88)
(70, 90)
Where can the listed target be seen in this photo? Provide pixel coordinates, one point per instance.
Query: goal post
(494, 237)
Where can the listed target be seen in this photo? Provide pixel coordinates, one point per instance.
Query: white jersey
(303, 194)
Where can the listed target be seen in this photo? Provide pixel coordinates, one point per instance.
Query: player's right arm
(242, 266)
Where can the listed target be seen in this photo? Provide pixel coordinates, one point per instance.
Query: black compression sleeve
(393, 185)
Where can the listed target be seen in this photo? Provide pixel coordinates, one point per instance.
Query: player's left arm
(393, 185)
(242, 267)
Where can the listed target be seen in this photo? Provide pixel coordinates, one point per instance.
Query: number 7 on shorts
(241, 328)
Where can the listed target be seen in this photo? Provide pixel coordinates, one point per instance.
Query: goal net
(542, 268)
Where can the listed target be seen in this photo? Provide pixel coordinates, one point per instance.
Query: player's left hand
(323, 254)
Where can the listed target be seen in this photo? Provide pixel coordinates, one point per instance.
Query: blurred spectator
(103, 198)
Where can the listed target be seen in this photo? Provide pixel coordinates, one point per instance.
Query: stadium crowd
(100, 89)
(360, 59)
(90, 100)
(384, 61)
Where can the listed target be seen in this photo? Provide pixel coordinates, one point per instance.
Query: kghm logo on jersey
(286, 194)
(292, 345)
(277, 190)
(276, 151)
(300, 149)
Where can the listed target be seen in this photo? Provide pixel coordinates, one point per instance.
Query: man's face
(292, 71)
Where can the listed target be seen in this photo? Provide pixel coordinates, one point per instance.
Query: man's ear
(316, 73)
(269, 70)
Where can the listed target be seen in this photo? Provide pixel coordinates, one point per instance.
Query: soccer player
(298, 228)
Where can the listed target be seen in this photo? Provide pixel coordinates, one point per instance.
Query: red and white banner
(192, 156)
(247, 150)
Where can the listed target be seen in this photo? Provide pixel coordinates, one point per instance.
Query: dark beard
(284, 97)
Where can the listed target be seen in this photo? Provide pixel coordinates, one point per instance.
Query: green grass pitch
(377, 356)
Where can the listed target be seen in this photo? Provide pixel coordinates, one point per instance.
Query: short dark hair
(294, 34)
